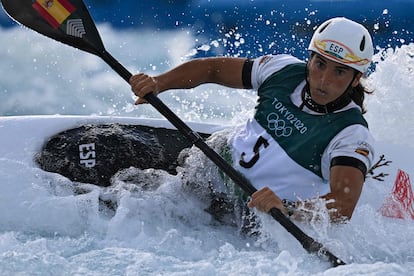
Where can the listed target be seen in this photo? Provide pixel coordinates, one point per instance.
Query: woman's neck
(330, 107)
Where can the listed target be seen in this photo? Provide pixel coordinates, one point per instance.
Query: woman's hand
(346, 185)
(264, 200)
(141, 85)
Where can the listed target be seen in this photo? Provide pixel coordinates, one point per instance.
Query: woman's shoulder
(354, 141)
(277, 61)
(354, 136)
(265, 66)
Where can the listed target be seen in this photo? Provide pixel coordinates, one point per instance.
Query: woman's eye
(340, 72)
(320, 64)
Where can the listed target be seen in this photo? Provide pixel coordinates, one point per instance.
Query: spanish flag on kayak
(55, 12)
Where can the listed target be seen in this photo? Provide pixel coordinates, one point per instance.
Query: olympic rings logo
(278, 125)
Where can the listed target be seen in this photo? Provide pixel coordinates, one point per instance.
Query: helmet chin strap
(330, 107)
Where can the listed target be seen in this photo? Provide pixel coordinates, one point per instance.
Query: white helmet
(344, 41)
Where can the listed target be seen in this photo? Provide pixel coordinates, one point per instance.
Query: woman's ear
(356, 79)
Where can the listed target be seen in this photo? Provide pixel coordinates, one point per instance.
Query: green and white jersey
(290, 149)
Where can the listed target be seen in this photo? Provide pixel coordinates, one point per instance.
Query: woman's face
(328, 79)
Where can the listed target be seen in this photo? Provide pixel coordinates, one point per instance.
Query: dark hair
(357, 94)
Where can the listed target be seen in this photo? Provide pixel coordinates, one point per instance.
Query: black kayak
(93, 153)
(91, 149)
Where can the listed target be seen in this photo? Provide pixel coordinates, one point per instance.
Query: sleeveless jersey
(302, 136)
(283, 146)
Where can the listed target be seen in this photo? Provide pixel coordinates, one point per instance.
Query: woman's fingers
(264, 200)
(141, 85)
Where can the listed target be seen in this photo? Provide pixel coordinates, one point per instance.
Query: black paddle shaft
(308, 243)
(78, 29)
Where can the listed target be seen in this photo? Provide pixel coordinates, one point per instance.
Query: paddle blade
(67, 21)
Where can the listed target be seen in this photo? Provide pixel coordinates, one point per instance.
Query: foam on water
(390, 109)
(46, 77)
(162, 229)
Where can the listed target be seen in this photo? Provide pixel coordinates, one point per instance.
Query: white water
(46, 230)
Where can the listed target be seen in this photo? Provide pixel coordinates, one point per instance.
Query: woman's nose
(325, 78)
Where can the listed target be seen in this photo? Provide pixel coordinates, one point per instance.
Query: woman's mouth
(322, 92)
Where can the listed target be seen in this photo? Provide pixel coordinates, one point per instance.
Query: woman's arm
(346, 184)
(223, 71)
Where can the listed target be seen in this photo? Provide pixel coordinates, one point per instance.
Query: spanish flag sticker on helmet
(335, 50)
(343, 41)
